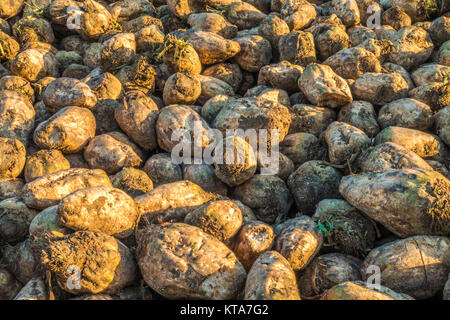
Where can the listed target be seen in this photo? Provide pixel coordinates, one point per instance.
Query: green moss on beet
(439, 210)
(431, 186)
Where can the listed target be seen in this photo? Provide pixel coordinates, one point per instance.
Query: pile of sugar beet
(93, 207)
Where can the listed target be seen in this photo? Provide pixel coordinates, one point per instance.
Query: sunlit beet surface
(224, 150)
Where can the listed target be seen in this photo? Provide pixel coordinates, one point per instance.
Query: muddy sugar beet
(226, 149)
